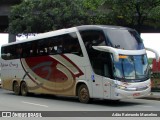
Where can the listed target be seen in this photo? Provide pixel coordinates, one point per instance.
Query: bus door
(101, 86)
(107, 87)
(102, 74)
(97, 86)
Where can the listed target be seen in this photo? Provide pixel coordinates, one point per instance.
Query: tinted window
(124, 39)
(67, 43)
(93, 38)
(100, 61)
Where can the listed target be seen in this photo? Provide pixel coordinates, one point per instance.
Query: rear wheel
(83, 94)
(16, 88)
(24, 89)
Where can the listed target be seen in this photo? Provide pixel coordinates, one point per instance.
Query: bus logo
(57, 70)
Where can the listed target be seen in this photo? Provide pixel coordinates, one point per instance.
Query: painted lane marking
(34, 104)
(147, 106)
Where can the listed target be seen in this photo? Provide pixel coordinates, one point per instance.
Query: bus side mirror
(155, 52)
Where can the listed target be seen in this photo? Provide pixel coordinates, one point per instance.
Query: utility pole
(11, 38)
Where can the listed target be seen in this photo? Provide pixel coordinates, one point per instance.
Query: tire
(16, 88)
(24, 89)
(83, 94)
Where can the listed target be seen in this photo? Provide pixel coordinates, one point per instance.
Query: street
(11, 102)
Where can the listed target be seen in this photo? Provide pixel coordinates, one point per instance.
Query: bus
(88, 61)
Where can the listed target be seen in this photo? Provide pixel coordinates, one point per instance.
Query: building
(5, 6)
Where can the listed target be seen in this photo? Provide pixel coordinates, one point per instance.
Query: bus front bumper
(123, 94)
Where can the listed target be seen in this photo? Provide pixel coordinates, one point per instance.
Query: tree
(133, 13)
(45, 15)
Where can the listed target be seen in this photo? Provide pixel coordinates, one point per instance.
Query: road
(11, 102)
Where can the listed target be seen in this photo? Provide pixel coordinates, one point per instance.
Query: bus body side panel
(87, 65)
(11, 71)
(54, 74)
(48, 74)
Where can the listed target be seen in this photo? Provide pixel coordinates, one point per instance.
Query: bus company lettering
(11, 64)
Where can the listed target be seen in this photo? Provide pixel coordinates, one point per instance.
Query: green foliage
(134, 13)
(91, 4)
(155, 75)
(150, 61)
(45, 15)
(155, 16)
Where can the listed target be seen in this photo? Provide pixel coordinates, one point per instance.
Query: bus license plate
(136, 94)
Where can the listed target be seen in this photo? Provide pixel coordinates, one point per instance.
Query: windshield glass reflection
(124, 39)
(131, 67)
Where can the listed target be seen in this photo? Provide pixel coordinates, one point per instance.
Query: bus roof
(44, 35)
(67, 30)
(98, 27)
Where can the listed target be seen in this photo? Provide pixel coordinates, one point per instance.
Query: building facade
(5, 6)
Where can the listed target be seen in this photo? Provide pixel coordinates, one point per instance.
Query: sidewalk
(153, 96)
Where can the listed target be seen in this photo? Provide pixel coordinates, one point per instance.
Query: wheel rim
(23, 89)
(16, 88)
(84, 94)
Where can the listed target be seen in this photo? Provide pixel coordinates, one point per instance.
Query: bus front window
(124, 39)
(131, 68)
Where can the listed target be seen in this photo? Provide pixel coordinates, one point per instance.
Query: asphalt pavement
(153, 96)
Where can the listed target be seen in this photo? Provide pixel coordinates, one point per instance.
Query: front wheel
(24, 89)
(83, 94)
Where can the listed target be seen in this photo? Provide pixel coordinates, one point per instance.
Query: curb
(152, 97)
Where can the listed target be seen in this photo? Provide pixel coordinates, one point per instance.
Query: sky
(151, 40)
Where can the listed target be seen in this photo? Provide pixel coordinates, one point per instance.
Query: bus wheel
(24, 89)
(83, 94)
(16, 88)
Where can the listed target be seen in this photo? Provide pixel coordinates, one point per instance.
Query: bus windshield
(124, 39)
(131, 67)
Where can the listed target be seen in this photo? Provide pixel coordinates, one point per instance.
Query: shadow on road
(112, 103)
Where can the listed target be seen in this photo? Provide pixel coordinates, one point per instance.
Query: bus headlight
(121, 87)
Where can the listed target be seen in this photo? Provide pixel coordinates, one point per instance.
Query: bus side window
(13, 54)
(100, 61)
(26, 51)
(34, 49)
(41, 47)
(72, 45)
(5, 53)
(93, 38)
(50, 47)
(60, 46)
(19, 52)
